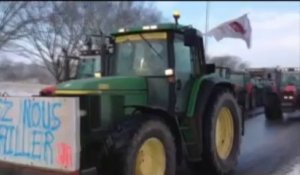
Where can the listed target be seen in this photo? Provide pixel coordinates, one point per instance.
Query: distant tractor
(290, 86)
(158, 104)
(285, 97)
(88, 64)
(257, 79)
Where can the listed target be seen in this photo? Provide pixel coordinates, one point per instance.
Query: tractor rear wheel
(146, 148)
(272, 107)
(222, 134)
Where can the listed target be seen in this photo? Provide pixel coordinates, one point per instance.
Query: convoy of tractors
(153, 102)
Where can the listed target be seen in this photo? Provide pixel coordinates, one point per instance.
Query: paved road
(267, 148)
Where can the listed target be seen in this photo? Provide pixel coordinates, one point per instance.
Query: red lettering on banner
(64, 156)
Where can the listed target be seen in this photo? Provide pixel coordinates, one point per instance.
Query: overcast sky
(275, 29)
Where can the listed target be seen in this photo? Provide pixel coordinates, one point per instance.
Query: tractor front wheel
(146, 148)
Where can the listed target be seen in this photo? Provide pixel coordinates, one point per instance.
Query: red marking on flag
(64, 156)
(237, 27)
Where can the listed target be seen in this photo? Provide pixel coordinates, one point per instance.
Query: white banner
(239, 28)
(40, 132)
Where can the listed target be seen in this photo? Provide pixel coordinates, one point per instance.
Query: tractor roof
(290, 69)
(158, 27)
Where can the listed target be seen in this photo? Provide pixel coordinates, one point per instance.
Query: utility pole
(206, 23)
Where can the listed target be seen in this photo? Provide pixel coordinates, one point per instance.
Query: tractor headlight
(121, 30)
(285, 97)
(291, 97)
(97, 74)
(169, 72)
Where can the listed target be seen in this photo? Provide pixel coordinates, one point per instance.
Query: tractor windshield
(141, 54)
(290, 78)
(89, 66)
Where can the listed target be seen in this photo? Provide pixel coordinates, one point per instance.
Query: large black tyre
(272, 107)
(212, 163)
(127, 142)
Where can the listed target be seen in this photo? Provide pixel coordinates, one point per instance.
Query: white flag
(237, 28)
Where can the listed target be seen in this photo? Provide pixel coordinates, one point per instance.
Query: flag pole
(206, 23)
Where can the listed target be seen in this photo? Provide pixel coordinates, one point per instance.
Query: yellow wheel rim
(151, 158)
(224, 133)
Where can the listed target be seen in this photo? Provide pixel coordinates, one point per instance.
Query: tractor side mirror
(190, 37)
(88, 42)
(210, 68)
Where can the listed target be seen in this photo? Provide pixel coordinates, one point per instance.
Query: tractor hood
(104, 84)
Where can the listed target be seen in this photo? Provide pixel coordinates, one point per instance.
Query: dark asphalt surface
(267, 147)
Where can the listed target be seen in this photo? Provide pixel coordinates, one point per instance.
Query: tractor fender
(206, 90)
(170, 120)
(202, 90)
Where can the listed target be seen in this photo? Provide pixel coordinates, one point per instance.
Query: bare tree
(11, 22)
(232, 62)
(61, 26)
(106, 17)
(65, 24)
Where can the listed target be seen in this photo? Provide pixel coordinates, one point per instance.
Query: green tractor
(88, 64)
(255, 87)
(157, 104)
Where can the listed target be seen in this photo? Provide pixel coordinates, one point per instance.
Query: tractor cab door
(184, 69)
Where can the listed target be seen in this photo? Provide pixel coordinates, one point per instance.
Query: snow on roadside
(295, 170)
(20, 88)
(290, 168)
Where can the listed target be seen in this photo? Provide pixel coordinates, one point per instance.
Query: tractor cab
(167, 55)
(91, 60)
(89, 64)
(157, 50)
(223, 71)
(290, 76)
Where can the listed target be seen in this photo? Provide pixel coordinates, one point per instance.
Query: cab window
(182, 56)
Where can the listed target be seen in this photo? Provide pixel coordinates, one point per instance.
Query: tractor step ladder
(190, 145)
